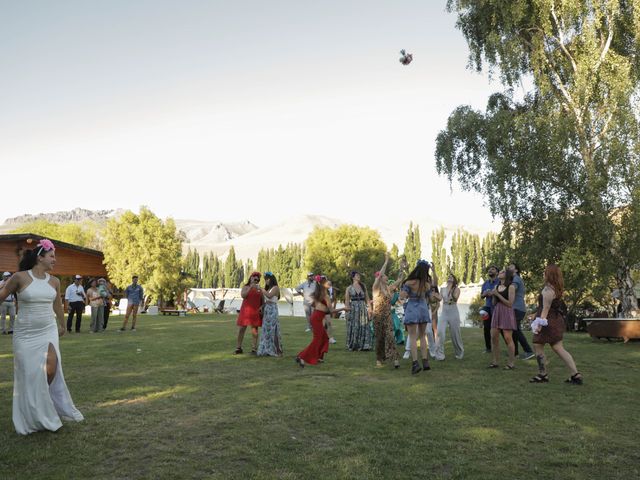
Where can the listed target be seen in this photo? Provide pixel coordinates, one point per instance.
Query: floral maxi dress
(270, 339)
(358, 324)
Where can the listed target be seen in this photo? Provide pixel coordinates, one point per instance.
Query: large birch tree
(560, 163)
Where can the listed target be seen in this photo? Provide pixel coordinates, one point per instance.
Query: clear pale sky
(232, 110)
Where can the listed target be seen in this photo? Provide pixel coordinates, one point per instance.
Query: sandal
(425, 364)
(575, 379)
(238, 351)
(415, 367)
(493, 365)
(509, 367)
(540, 378)
(300, 362)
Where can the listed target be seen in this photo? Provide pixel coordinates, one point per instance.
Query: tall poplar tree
(412, 245)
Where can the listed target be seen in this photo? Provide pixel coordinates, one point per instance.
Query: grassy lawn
(171, 401)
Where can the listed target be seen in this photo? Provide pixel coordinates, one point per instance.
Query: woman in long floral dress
(359, 335)
(270, 340)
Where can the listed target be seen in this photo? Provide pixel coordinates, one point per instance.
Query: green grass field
(171, 401)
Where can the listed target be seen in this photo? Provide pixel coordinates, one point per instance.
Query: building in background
(70, 259)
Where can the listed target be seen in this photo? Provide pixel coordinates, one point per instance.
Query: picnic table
(172, 311)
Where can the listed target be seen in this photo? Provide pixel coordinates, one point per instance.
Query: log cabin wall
(70, 259)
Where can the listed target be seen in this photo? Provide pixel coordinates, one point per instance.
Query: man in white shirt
(7, 307)
(306, 289)
(74, 299)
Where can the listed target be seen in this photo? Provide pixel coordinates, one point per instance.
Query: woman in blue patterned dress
(270, 340)
(416, 289)
(359, 336)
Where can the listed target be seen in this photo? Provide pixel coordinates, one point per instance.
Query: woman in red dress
(321, 305)
(250, 312)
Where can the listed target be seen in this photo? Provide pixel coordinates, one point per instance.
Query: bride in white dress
(40, 395)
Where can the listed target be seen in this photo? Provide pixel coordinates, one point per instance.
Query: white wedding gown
(37, 405)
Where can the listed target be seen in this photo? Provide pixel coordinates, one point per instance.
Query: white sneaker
(332, 340)
(406, 355)
(308, 330)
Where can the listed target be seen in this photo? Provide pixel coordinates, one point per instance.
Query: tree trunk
(627, 292)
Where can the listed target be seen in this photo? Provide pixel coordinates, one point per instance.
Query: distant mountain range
(77, 215)
(247, 238)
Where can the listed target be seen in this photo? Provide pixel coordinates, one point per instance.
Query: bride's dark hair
(30, 258)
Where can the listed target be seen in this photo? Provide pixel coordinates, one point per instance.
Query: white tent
(209, 299)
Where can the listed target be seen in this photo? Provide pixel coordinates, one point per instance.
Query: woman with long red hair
(250, 312)
(549, 326)
(319, 345)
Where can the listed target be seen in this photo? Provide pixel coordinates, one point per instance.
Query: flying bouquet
(406, 58)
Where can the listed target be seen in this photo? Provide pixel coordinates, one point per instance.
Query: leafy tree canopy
(335, 252)
(558, 163)
(143, 244)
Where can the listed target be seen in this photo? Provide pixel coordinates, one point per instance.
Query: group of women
(381, 330)
(41, 398)
(420, 298)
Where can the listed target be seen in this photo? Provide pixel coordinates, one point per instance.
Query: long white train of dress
(36, 404)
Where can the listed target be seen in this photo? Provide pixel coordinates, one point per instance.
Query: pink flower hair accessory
(318, 278)
(46, 245)
(377, 274)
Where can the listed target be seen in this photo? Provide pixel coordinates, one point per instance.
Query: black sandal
(509, 367)
(415, 367)
(575, 379)
(425, 364)
(493, 365)
(238, 351)
(540, 378)
(300, 362)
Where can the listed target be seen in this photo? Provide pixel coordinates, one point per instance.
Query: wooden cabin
(70, 259)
